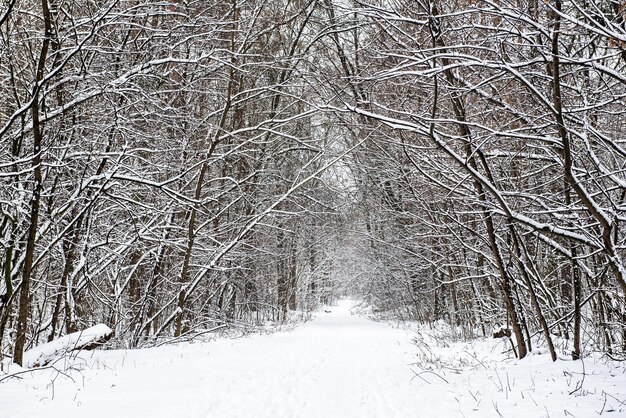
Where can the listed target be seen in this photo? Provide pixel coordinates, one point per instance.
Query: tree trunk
(24, 309)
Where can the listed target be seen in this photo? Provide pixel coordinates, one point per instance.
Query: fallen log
(87, 339)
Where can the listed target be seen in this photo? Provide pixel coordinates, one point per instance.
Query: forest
(170, 168)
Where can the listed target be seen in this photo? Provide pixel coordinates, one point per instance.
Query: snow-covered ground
(338, 365)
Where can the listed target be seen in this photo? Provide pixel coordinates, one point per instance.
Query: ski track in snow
(338, 365)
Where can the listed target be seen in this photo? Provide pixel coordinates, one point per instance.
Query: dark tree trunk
(24, 308)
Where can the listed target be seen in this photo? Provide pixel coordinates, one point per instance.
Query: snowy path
(338, 365)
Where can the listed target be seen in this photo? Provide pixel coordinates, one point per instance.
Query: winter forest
(185, 168)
